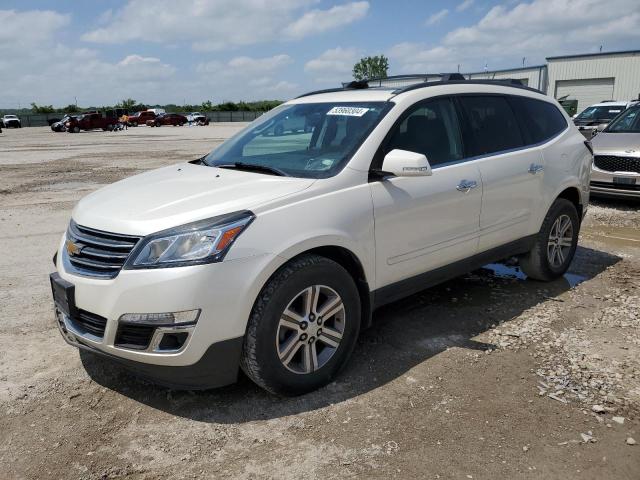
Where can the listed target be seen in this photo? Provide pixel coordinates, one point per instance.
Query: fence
(40, 120)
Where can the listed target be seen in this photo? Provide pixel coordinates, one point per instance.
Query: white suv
(270, 253)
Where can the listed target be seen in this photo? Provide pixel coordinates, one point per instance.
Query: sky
(187, 51)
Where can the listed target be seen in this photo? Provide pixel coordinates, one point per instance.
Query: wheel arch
(344, 257)
(573, 195)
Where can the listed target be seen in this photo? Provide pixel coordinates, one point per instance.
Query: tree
(71, 108)
(42, 108)
(127, 104)
(371, 67)
(207, 106)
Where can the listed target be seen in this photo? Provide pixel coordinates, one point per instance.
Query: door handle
(466, 185)
(535, 168)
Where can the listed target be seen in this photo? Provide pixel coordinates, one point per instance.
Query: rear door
(511, 173)
(422, 223)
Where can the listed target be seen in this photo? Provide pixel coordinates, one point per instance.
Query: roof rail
(506, 82)
(406, 83)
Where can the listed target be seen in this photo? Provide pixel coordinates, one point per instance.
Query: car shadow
(403, 335)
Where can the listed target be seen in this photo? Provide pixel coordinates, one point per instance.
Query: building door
(586, 91)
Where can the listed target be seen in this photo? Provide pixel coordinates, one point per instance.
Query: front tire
(303, 327)
(555, 244)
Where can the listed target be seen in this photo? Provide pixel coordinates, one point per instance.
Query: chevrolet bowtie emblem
(73, 248)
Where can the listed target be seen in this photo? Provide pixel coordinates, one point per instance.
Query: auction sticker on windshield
(348, 111)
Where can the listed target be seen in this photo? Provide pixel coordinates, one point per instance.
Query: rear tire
(303, 327)
(555, 243)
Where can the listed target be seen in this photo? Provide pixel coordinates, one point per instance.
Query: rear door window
(492, 124)
(540, 121)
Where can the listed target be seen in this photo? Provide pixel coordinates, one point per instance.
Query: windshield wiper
(253, 167)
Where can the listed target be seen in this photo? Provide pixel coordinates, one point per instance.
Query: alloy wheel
(310, 329)
(560, 241)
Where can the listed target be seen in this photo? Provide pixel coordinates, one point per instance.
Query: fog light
(187, 317)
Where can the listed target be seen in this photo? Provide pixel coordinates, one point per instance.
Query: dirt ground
(487, 376)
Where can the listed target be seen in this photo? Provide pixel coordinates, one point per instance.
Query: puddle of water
(574, 279)
(512, 272)
(503, 271)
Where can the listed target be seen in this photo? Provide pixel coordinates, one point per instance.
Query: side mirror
(403, 163)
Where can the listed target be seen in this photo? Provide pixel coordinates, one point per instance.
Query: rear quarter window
(539, 120)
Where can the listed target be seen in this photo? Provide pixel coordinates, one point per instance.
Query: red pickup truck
(90, 121)
(141, 118)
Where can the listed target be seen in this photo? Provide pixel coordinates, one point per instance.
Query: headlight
(196, 243)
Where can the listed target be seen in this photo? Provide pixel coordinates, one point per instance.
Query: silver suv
(616, 165)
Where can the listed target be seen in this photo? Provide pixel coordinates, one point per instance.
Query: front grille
(137, 337)
(611, 163)
(87, 322)
(96, 253)
(617, 186)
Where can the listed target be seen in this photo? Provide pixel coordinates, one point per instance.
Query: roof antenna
(458, 68)
(523, 60)
(486, 67)
(600, 48)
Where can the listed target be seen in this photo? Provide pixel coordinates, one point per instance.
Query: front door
(422, 223)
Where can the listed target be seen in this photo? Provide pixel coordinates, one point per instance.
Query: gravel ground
(487, 376)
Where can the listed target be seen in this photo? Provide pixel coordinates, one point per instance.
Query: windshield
(629, 122)
(600, 113)
(312, 140)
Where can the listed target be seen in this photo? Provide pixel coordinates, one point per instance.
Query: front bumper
(602, 184)
(217, 367)
(224, 292)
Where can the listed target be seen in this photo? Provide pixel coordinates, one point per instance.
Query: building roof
(598, 54)
(506, 70)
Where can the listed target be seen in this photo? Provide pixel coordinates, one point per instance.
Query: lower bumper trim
(218, 367)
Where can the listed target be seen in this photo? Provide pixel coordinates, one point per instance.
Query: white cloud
(333, 65)
(234, 75)
(318, 21)
(464, 5)
(534, 30)
(437, 17)
(245, 66)
(220, 24)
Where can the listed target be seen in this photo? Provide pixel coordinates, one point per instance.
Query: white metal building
(592, 78)
(588, 78)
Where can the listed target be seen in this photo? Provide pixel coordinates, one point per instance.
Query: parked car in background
(141, 118)
(271, 253)
(197, 118)
(616, 160)
(595, 118)
(11, 121)
(157, 111)
(60, 125)
(174, 119)
(90, 121)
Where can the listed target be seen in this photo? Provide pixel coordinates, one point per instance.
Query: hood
(628, 143)
(172, 196)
